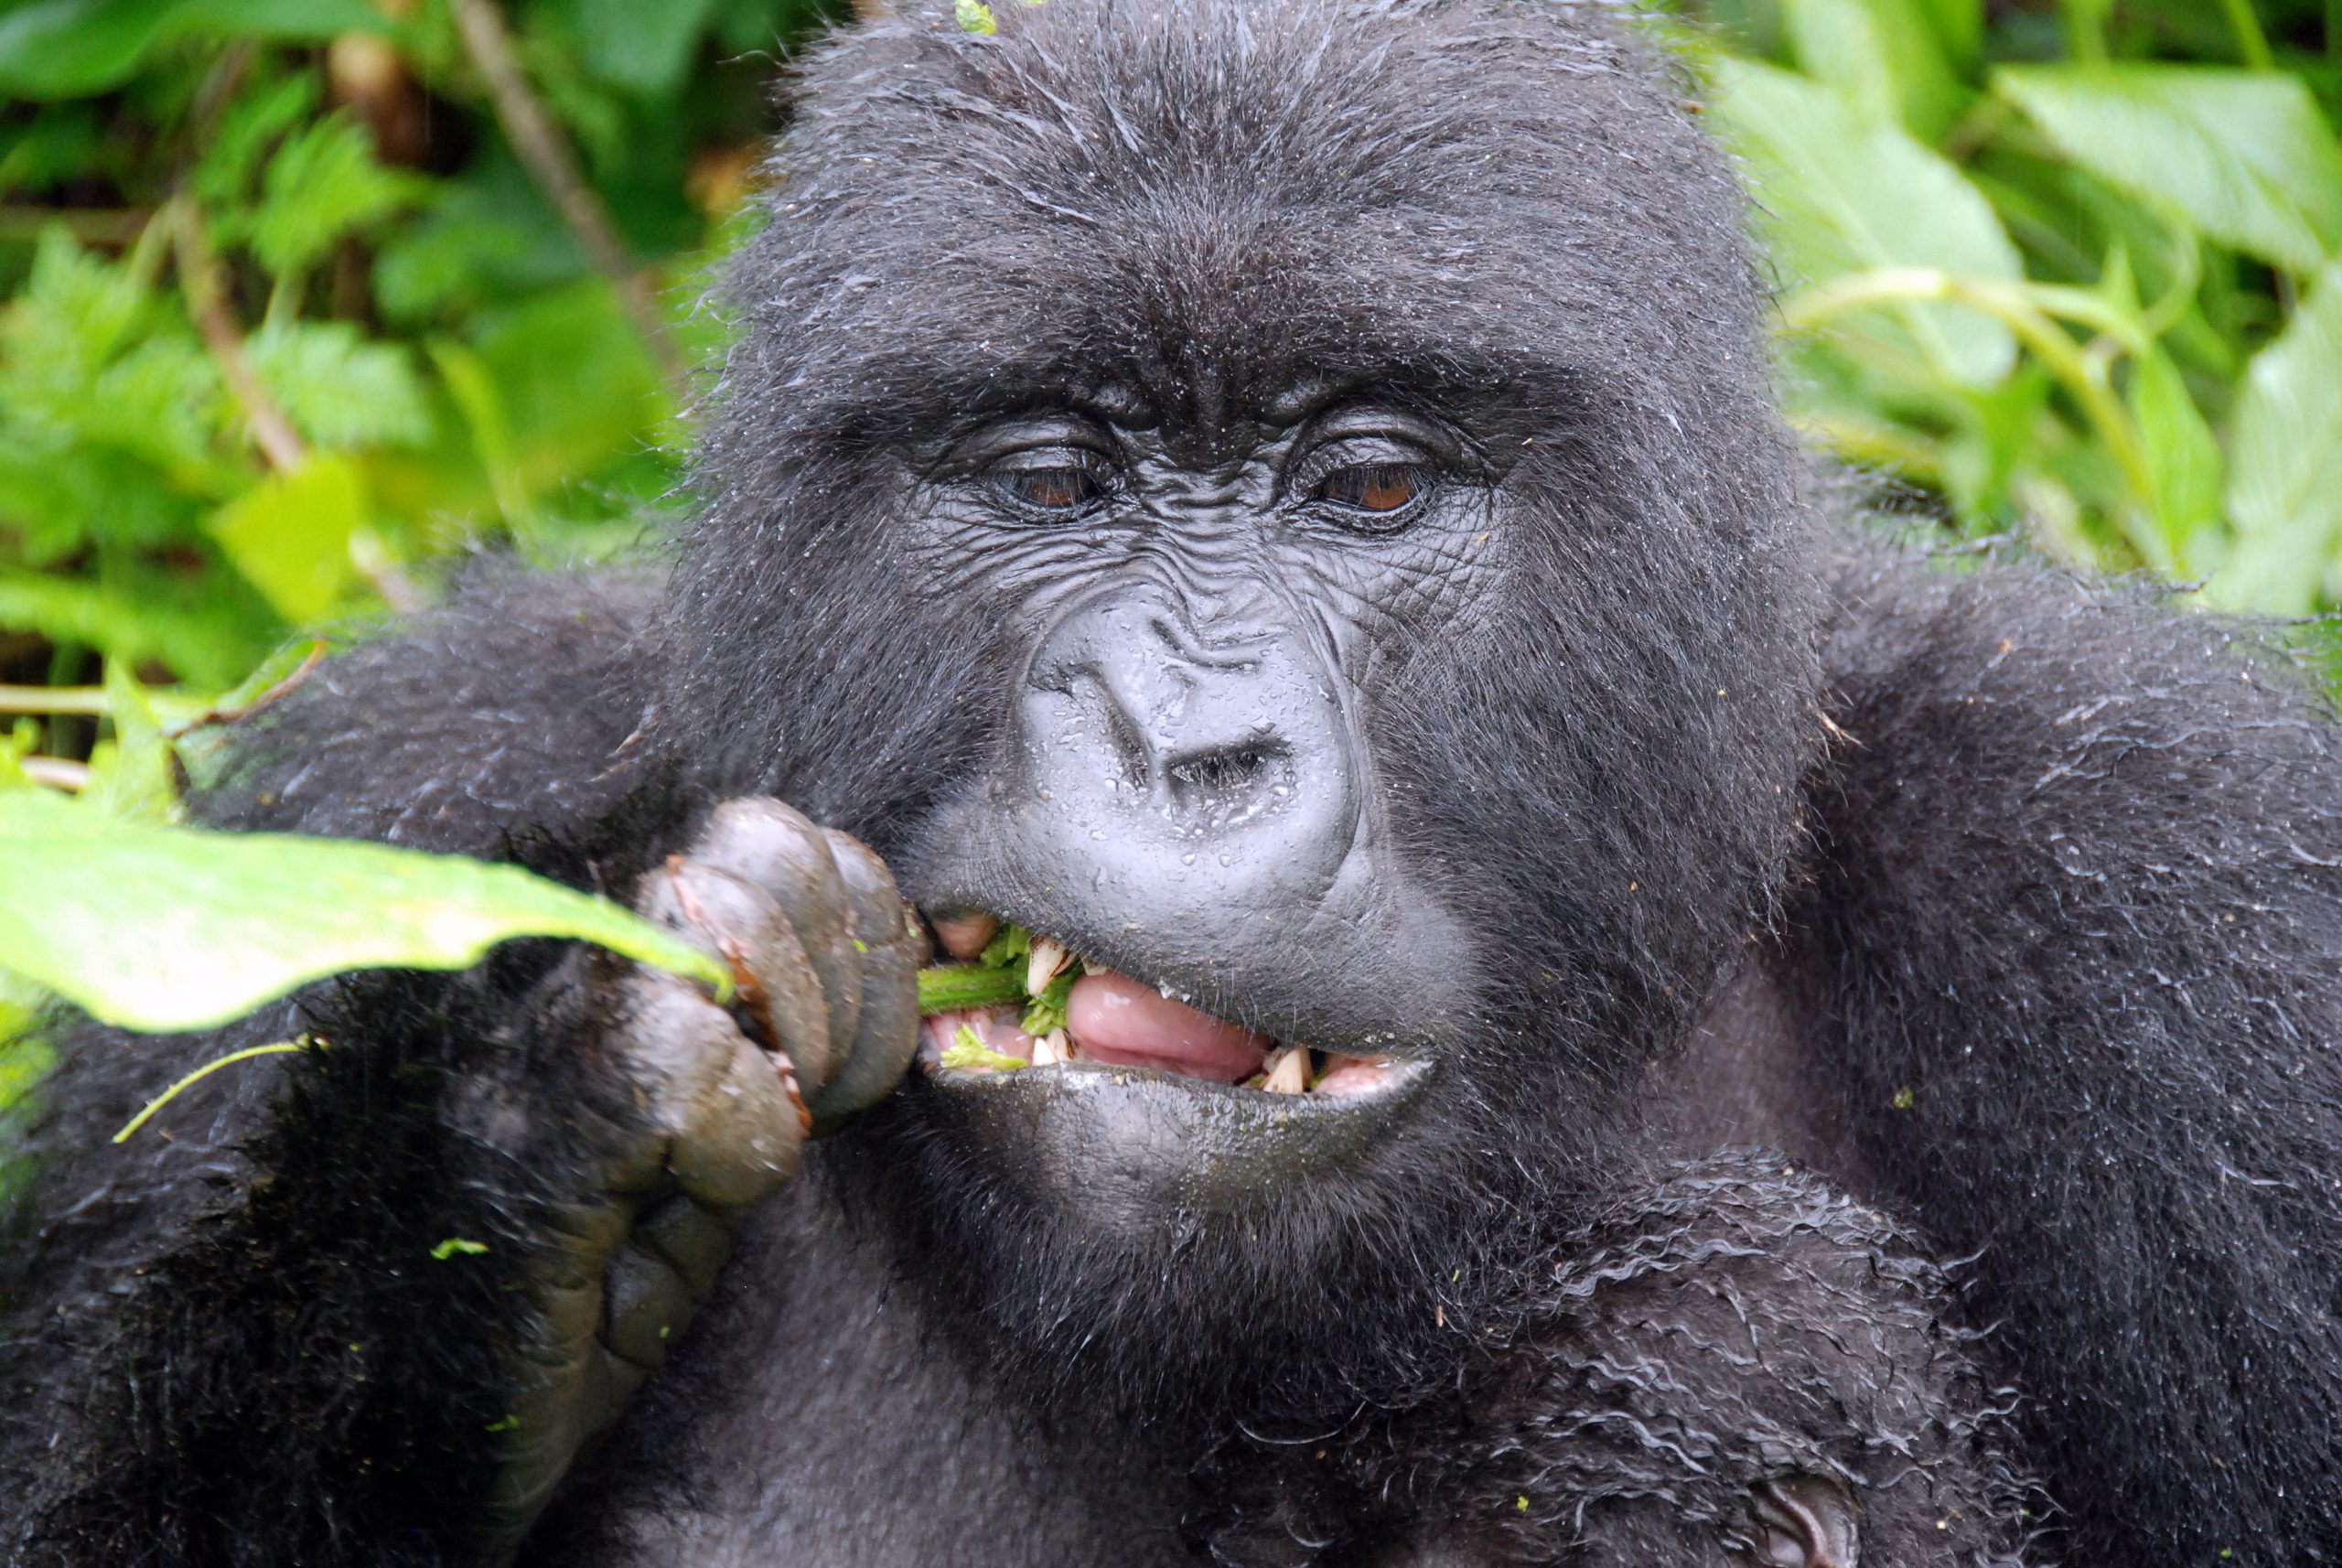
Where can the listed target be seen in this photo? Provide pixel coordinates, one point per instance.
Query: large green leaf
(1883, 55)
(1843, 193)
(2286, 457)
(170, 928)
(2245, 155)
(66, 48)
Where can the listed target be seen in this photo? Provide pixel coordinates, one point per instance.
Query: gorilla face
(1187, 790)
(1283, 499)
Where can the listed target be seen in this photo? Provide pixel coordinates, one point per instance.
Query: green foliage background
(300, 300)
(2067, 270)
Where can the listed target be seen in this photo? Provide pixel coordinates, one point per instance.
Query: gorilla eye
(1373, 487)
(1052, 490)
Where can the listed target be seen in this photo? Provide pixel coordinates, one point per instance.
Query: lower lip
(1123, 1145)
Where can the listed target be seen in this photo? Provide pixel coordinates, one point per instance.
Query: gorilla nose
(1220, 743)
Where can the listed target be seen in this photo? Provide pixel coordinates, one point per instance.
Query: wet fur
(2006, 886)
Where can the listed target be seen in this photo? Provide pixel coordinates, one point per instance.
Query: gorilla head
(1302, 478)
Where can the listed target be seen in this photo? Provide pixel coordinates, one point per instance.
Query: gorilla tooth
(1047, 960)
(1052, 1048)
(1288, 1072)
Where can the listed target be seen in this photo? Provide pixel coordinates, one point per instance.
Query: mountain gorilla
(1284, 498)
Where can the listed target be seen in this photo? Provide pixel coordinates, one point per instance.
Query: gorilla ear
(1806, 1522)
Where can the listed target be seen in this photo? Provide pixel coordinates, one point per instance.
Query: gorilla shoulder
(504, 713)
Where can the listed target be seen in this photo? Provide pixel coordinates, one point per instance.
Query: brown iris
(1377, 486)
(1053, 489)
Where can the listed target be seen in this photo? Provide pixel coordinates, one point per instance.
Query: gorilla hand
(703, 1109)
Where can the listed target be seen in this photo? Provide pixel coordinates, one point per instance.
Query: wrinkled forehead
(1206, 207)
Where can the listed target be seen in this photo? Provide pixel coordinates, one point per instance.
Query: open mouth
(1075, 1014)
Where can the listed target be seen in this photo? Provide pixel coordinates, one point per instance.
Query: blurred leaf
(642, 47)
(479, 243)
(340, 391)
(290, 536)
(57, 142)
(1882, 55)
(2286, 486)
(132, 775)
(2182, 453)
(208, 637)
(1959, 27)
(65, 48)
(1842, 194)
(173, 928)
(2245, 155)
(575, 386)
(247, 129)
(323, 183)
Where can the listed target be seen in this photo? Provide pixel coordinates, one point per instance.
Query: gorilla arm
(249, 1340)
(1731, 1365)
(2070, 959)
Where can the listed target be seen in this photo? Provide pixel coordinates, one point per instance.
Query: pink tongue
(1114, 1018)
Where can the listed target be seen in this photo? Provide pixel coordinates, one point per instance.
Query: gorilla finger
(688, 1238)
(646, 1302)
(545, 1425)
(731, 1118)
(779, 850)
(742, 1134)
(778, 990)
(889, 944)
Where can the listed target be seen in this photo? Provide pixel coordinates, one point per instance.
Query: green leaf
(642, 48)
(1009, 944)
(289, 535)
(1045, 1012)
(132, 775)
(2285, 457)
(2182, 453)
(323, 183)
(967, 1052)
(340, 391)
(248, 128)
(2245, 155)
(176, 929)
(204, 637)
(69, 49)
(1842, 194)
(1883, 56)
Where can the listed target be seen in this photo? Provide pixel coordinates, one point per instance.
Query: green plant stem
(546, 155)
(207, 304)
(91, 700)
(206, 1070)
(954, 987)
(57, 772)
(2026, 310)
(2085, 23)
(2252, 43)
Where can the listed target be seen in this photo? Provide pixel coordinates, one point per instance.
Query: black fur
(1759, 829)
